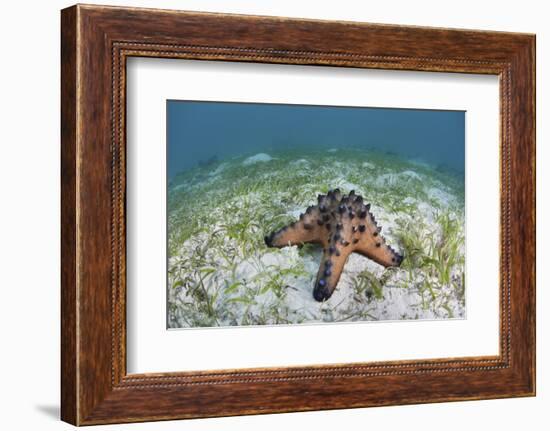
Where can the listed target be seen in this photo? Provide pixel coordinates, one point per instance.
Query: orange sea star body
(341, 224)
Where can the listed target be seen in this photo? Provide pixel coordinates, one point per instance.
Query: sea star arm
(382, 254)
(309, 229)
(330, 270)
(372, 245)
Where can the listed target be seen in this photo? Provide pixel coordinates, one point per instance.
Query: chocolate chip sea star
(341, 224)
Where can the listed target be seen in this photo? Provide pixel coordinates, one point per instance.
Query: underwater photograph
(281, 214)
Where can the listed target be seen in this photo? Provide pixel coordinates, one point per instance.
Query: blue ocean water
(202, 133)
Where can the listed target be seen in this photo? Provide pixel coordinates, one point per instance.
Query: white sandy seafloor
(222, 274)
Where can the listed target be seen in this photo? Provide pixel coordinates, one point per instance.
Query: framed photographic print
(264, 214)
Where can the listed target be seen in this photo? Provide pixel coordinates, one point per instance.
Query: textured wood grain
(96, 41)
(69, 369)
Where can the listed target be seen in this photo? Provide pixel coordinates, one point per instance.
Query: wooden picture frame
(95, 43)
